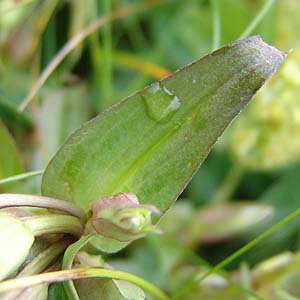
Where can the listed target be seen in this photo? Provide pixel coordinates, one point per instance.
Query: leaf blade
(151, 147)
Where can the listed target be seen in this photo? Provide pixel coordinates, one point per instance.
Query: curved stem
(80, 273)
(77, 39)
(107, 58)
(67, 263)
(255, 22)
(216, 24)
(21, 176)
(46, 224)
(246, 279)
(11, 200)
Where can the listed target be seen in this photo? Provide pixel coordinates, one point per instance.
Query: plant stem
(47, 224)
(21, 176)
(40, 262)
(107, 58)
(67, 263)
(246, 279)
(255, 22)
(225, 191)
(77, 39)
(80, 273)
(216, 24)
(241, 251)
(11, 200)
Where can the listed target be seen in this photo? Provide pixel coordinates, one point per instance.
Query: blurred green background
(249, 181)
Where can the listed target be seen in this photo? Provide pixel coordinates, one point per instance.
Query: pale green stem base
(47, 224)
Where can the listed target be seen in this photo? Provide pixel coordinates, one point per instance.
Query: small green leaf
(16, 240)
(154, 141)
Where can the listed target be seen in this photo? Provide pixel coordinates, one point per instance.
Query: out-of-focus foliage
(248, 183)
(10, 164)
(268, 135)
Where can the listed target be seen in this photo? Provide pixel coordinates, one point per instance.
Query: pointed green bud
(119, 220)
(121, 217)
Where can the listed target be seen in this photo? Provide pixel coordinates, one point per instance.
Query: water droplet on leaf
(161, 103)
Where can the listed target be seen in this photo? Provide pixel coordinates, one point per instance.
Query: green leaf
(108, 289)
(16, 240)
(154, 141)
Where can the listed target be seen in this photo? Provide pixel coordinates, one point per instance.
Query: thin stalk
(236, 254)
(246, 279)
(107, 58)
(96, 57)
(77, 39)
(259, 17)
(216, 24)
(11, 200)
(225, 191)
(21, 176)
(47, 224)
(67, 263)
(80, 273)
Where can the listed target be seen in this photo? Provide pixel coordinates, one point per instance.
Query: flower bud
(119, 220)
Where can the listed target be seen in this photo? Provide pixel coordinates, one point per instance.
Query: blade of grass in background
(21, 176)
(260, 16)
(107, 99)
(73, 43)
(182, 292)
(216, 24)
